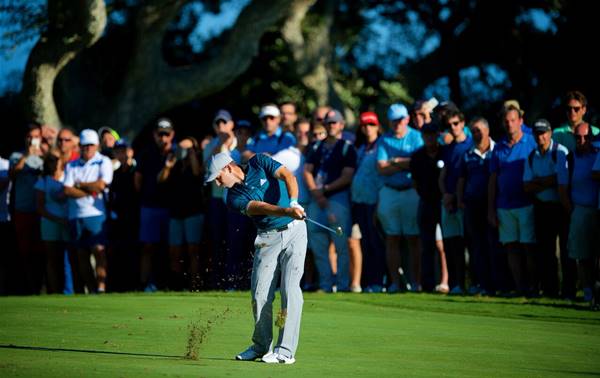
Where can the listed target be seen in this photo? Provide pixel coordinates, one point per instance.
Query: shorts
(154, 225)
(397, 211)
(88, 232)
(453, 224)
(583, 233)
(186, 230)
(516, 225)
(54, 231)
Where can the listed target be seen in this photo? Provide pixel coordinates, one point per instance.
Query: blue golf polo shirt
(366, 181)
(584, 190)
(280, 140)
(544, 165)
(452, 155)
(390, 147)
(260, 184)
(475, 169)
(508, 162)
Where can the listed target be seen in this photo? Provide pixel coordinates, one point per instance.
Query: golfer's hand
(296, 205)
(295, 213)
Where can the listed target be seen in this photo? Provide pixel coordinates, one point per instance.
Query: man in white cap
(267, 192)
(86, 181)
(271, 139)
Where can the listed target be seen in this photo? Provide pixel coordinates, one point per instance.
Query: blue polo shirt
(544, 165)
(584, 190)
(280, 140)
(452, 155)
(25, 181)
(596, 168)
(260, 184)
(366, 181)
(329, 161)
(508, 162)
(475, 169)
(391, 147)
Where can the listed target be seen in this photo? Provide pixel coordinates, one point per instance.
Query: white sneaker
(248, 355)
(276, 358)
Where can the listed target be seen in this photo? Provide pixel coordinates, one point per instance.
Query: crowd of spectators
(429, 203)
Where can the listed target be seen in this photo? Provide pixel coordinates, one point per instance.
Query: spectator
(318, 116)
(318, 133)
(452, 219)
(471, 195)
(85, 182)
(514, 103)
(543, 166)
(365, 187)
(67, 142)
(52, 207)
(328, 173)
(272, 138)
(225, 141)
(425, 171)
(398, 200)
(183, 174)
(575, 104)
(123, 223)
(243, 135)
(108, 138)
(421, 112)
(5, 225)
(509, 207)
(154, 211)
(582, 205)
(288, 116)
(25, 167)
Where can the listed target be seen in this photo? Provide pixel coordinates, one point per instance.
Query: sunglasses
(370, 124)
(455, 123)
(162, 134)
(268, 117)
(64, 139)
(220, 121)
(87, 145)
(575, 109)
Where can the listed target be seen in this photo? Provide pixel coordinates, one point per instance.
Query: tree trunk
(72, 26)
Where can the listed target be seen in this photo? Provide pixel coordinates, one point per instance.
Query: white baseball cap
(88, 136)
(218, 162)
(269, 110)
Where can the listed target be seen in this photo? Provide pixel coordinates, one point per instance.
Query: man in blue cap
(267, 192)
(398, 200)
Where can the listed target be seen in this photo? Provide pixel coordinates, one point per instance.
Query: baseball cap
(333, 116)
(541, 126)
(369, 118)
(514, 104)
(218, 162)
(397, 112)
(164, 124)
(111, 131)
(243, 124)
(88, 136)
(122, 143)
(269, 110)
(223, 115)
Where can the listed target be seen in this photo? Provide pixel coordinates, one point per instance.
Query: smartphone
(36, 142)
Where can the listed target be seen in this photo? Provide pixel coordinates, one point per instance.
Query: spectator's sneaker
(374, 289)
(456, 290)
(248, 355)
(474, 290)
(276, 358)
(442, 288)
(356, 289)
(151, 288)
(393, 289)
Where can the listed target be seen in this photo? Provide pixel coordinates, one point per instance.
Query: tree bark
(72, 26)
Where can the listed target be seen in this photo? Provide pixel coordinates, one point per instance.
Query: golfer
(267, 192)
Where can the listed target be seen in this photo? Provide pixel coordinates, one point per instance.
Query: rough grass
(197, 335)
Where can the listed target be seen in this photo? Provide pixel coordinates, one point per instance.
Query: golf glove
(295, 204)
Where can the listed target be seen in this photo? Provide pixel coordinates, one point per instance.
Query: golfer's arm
(264, 208)
(290, 181)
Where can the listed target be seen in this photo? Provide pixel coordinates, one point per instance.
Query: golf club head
(338, 231)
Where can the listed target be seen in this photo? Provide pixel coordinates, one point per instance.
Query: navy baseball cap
(541, 126)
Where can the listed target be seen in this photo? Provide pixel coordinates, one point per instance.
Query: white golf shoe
(276, 358)
(248, 355)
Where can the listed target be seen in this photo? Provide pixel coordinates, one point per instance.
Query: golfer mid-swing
(267, 192)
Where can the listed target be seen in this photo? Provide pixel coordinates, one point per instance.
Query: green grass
(139, 335)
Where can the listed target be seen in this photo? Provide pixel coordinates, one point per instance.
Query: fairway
(146, 335)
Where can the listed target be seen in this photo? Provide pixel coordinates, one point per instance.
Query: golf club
(338, 230)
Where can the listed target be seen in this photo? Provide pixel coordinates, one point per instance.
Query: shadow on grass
(47, 349)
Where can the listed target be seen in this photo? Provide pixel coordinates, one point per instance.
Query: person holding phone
(25, 168)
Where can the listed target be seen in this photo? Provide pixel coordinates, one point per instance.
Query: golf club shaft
(321, 225)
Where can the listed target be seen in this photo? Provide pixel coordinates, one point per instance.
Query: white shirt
(293, 160)
(98, 167)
